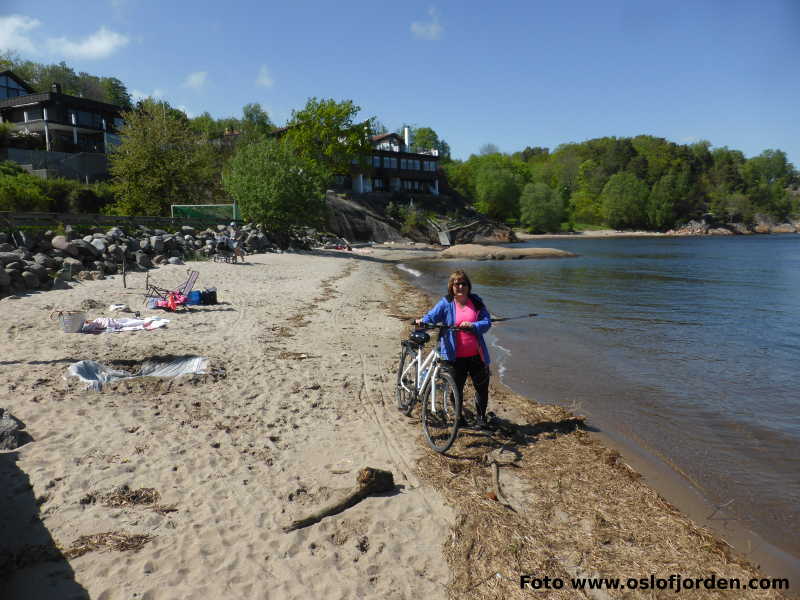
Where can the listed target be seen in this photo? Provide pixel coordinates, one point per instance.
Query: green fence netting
(221, 212)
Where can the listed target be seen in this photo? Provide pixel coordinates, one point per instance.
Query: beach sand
(302, 350)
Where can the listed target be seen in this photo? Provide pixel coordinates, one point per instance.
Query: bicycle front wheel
(441, 412)
(406, 380)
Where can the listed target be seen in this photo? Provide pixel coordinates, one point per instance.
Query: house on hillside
(394, 166)
(56, 134)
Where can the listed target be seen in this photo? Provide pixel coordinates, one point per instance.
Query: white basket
(72, 322)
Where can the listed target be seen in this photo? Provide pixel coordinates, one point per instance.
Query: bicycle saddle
(419, 337)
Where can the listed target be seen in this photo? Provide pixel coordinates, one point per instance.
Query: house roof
(20, 81)
(383, 136)
(75, 101)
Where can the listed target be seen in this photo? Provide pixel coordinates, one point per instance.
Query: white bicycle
(428, 380)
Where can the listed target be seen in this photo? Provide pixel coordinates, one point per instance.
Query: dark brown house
(395, 167)
(58, 123)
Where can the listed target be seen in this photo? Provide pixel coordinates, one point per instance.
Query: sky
(509, 73)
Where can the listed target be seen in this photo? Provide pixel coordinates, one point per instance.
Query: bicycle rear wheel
(406, 380)
(441, 411)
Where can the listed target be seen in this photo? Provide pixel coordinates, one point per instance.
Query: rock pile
(31, 261)
(709, 226)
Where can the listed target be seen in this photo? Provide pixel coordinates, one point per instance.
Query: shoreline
(303, 348)
(612, 233)
(667, 480)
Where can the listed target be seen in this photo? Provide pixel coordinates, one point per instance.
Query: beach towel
(109, 325)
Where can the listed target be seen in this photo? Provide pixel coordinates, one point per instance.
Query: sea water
(688, 347)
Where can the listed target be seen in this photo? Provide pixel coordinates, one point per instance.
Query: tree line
(41, 76)
(278, 175)
(637, 182)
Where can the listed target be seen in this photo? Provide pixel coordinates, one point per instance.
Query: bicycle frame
(424, 366)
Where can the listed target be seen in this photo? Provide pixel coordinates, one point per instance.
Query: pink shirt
(466, 341)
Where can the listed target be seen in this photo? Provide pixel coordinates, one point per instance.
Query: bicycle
(427, 379)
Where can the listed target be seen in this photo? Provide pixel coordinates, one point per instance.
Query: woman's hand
(467, 325)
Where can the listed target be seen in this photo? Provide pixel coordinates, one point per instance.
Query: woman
(463, 347)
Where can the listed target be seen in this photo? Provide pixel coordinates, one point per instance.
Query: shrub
(22, 193)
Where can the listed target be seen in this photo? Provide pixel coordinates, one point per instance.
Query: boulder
(99, 243)
(156, 243)
(6, 247)
(32, 281)
(39, 270)
(85, 248)
(45, 260)
(783, 228)
(74, 264)
(143, 260)
(8, 257)
(10, 431)
(5, 279)
(174, 260)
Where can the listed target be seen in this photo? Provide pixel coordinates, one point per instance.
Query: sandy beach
(298, 398)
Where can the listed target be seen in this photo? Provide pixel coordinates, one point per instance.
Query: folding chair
(154, 291)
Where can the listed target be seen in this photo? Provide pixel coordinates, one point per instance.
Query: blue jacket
(445, 312)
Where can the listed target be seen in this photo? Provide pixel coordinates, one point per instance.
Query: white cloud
(101, 44)
(185, 110)
(196, 80)
(14, 33)
(264, 79)
(137, 95)
(428, 30)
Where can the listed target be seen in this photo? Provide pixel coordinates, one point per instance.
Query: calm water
(689, 347)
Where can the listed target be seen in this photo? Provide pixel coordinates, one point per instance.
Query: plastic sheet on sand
(95, 375)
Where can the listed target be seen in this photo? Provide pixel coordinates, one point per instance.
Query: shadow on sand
(31, 565)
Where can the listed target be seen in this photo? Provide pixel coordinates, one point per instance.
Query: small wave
(409, 270)
(501, 370)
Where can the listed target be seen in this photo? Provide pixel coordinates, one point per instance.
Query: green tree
(585, 206)
(541, 208)
(116, 93)
(488, 149)
(661, 203)
(624, 199)
(276, 186)
(497, 192)
(159, 162)
(21, 192)
(255, 124)
(326, 132)
(425, 138)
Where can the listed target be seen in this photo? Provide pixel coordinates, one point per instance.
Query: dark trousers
(479, 373)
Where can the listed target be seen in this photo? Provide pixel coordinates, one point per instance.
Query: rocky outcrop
(762, 224)
(365, 219)
(481, 252)
(357, 222)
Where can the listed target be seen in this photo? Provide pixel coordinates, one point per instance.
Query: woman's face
(460, 288)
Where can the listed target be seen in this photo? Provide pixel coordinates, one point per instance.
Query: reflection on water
(690, 345)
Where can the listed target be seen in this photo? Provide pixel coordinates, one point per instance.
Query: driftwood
(369, 481)
(493, 460)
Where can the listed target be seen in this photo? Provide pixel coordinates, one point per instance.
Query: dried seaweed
(110, 540)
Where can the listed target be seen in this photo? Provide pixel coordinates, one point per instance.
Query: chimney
(405, 137)
(55, 88)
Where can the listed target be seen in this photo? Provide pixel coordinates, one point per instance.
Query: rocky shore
(37, 261)
(761, 225)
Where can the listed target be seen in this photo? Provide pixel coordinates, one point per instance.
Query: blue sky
(514, 74)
